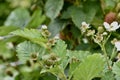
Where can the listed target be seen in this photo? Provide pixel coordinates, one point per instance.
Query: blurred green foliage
(30, 52)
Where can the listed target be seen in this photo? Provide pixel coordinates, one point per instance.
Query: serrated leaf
(31, 34)
(60, 49)
(53, 8)
(78, 57)
(108, 76)
(116, 70)
(26, 49)
(17, 18)
(57, 71)
(91, 67)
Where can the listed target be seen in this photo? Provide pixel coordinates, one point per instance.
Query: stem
(105, 53)
(104, 50)
(113, 53)
(105, 41)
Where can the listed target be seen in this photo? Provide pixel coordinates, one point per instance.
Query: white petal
(84, 23)
(115, 25)
(106, 25)
(117, 45)
(105, 33)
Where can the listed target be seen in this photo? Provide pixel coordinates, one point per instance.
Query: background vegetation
(30, 51)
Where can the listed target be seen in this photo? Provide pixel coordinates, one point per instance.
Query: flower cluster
(102, 34)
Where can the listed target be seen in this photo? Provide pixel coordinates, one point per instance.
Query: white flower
(117, 45)
(84, 27)
(111, 27)
(84, 24)
(44, 27)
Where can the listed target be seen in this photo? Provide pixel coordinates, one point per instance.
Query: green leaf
(109, 4)
(36, 19)
(31, 34)
(116, 70)
(56, 26)
(60, 49)
(76, 57)
(4, 30)
(66, 14)
(57, 71)
(85, 13)
(5, 50)
(91, 67)
(108, 76)
(48, 76)
(53, 8)
(80, 55)
(19, 17)
(26, 49)
(90, 9)
(78, 16)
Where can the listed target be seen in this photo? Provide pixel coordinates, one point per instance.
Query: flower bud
(46, 33)
(100, 29)
(90, 32)
(105, 33)
(43, 27)
(85, 40)
(98, 38)
(113, 41)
